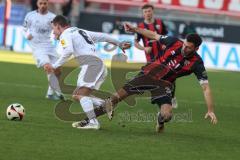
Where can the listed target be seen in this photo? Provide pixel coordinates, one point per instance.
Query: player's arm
(201, 75)
(139, 46)
(209, 101)
(103, 37)
(66, 49)
(146, 33)
(26, 25)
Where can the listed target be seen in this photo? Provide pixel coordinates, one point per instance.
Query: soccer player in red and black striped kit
(180, 58)
(153, 49)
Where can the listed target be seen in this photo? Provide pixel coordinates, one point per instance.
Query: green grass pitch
(41, 135)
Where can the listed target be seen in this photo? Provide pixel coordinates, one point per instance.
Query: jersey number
(84, 35)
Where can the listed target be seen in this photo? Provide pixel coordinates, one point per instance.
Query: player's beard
(43, 10)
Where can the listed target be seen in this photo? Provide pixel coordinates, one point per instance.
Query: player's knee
(57, 72)
(167, 117)
(166, 112)
(76, 97)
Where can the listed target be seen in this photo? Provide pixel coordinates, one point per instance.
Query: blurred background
(217, 21)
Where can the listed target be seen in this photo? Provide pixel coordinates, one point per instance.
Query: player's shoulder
(141, 24)
(198, 58)
(67, 32)
(51, 14)
(31, 14)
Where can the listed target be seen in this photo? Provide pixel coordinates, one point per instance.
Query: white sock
(50, 91)
(94, 121)
(97, 101)
(88, 108)
(53, 82)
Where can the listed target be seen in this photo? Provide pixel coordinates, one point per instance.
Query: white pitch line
(203, 103)
(20, 85)
(180, 100)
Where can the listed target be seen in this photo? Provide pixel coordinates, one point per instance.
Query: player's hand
(29, 37)
(148, 50)
(129, 28)
(125, 45)
(48, 68)
(212, 116)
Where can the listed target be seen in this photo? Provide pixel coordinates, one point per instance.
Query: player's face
(188, 48)
(148, 13)
(56, 31)
(42, 6)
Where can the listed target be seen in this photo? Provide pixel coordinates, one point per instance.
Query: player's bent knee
(57, 72)
(76, 97)
(167, 117)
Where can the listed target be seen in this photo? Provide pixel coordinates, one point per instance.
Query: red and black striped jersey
(158, 27)
(174, 64)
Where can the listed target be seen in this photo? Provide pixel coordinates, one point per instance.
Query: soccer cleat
(108, 105)
(61, 97)
(55, 97)
(174, 102)
(88, 126)
(80, 123)
(160, 125)
(52, 97)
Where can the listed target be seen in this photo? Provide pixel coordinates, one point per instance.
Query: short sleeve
(201, 73)
(167, 40)
(66, 43)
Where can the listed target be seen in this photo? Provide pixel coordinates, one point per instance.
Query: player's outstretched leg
(107, 107)
(165, 115)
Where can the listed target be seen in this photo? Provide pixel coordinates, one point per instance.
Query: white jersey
(39, 26)
(78, 42)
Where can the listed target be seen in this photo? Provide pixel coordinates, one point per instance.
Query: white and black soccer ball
(15, 111)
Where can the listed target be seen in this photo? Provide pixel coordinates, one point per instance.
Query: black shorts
(161, 90)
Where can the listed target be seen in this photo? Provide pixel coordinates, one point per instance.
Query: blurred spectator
(153, 50)
(34, 5)
(67, 7)
(188, 28)
(118, 27)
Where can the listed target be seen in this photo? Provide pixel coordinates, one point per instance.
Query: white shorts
(91, 77)
(42, 59)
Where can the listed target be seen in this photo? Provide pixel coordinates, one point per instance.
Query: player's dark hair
(194, 38)
(145, 6)
(61, 20)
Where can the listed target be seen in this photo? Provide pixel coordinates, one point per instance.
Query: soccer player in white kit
(79, 43)
(37, 29)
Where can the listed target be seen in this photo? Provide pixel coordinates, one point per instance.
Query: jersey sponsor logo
(186, 62)
(158, 26)
(164, 36)
(63, 43)
(173, 52)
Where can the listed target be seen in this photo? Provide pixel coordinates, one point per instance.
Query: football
(15, 112)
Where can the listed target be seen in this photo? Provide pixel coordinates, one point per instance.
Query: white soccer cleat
(89, 126)
(85, 125)
(174, 103)
(55, 97)
(80, 123)
(52, 97)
